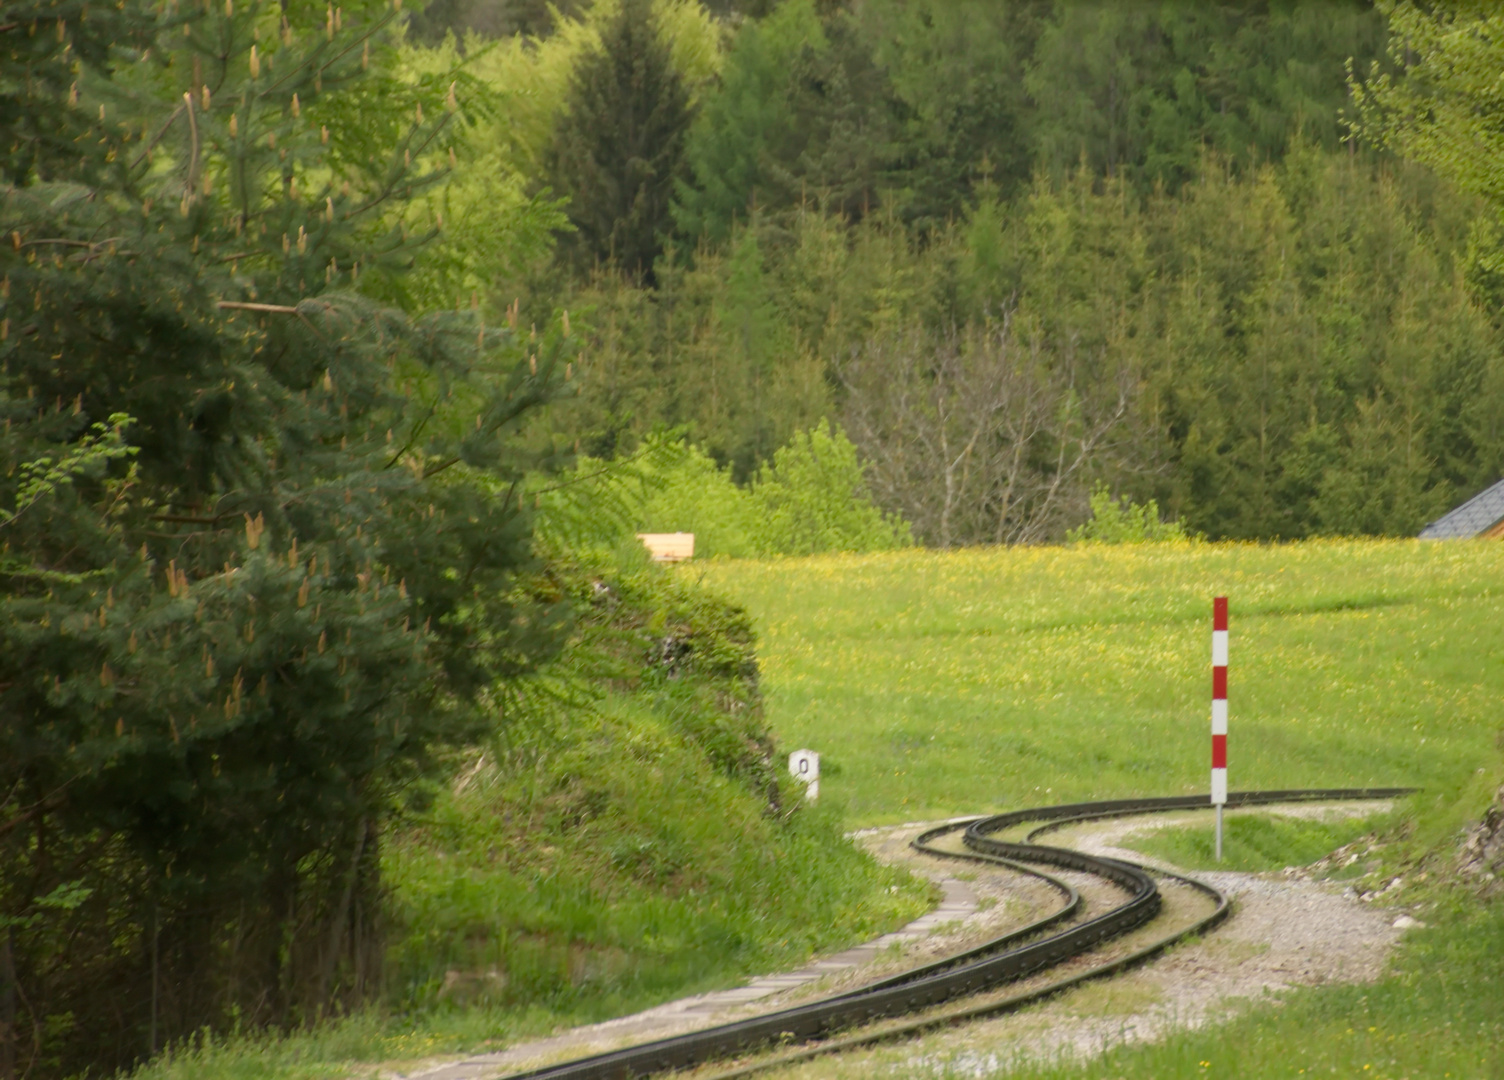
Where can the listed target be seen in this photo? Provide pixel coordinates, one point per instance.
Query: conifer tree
(619, 147)
(738, 149)
(259, 532)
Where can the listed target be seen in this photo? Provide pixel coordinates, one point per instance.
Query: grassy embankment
(628, 836)
(938, 684)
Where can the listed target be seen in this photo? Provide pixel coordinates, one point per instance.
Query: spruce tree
(260, 536)
(619, 147)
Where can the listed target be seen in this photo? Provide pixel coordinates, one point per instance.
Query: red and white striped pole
(1219, 712)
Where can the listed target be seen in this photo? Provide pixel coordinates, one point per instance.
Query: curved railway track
(918, 994)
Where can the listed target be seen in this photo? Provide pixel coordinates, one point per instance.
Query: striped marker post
(1219, 712)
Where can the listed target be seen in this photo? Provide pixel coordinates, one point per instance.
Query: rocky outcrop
(1482, 854)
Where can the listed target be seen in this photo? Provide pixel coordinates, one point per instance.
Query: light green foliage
(813, 498)
(495, 229)
(499, 228)
(700, 497)
(668, 485)
(1440, 105)
(531, 75)
(87, 454)
(1123, 521)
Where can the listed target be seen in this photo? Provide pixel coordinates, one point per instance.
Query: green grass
(1251, 842)
(939, 683)
(947, 683)
(628, 872)
(1440, 1013)
(615, 875)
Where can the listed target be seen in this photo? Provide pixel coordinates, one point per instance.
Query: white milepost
(805, 765)
(1219, 712)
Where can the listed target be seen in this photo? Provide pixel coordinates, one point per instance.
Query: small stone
(1405, 922)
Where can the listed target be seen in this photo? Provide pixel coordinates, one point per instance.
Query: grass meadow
(940, 683)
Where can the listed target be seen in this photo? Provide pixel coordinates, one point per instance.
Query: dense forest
(1014, 250)
(342, 350)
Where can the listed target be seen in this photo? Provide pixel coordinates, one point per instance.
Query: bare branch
(271, 309)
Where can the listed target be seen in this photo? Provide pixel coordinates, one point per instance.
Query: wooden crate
(669, 547)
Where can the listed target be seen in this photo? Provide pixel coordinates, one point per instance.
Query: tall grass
(631, 872)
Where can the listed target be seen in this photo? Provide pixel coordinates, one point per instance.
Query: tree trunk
(7, 1007)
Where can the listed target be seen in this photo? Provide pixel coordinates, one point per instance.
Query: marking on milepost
(1219, 712)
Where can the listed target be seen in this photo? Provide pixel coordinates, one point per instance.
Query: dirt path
(1286, 930)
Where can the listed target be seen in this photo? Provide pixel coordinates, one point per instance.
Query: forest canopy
(1016, 251)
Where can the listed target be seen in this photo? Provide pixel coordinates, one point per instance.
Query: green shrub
(1122, 521)
(813, 498)
(696, 495)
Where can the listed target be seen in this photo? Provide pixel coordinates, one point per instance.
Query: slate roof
(1479, 514)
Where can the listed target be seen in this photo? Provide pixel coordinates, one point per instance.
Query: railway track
(929, 996)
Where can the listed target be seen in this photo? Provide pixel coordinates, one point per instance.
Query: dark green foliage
(800, 117)
(246, 567)
(741, 150)
(1140, 89)
(486, 18)
(41, 134)
(619, 147)
(913, 105)
(1288, 353)
(960, 113)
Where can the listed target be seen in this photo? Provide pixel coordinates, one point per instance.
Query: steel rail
(993, 964)
(950, 1017)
